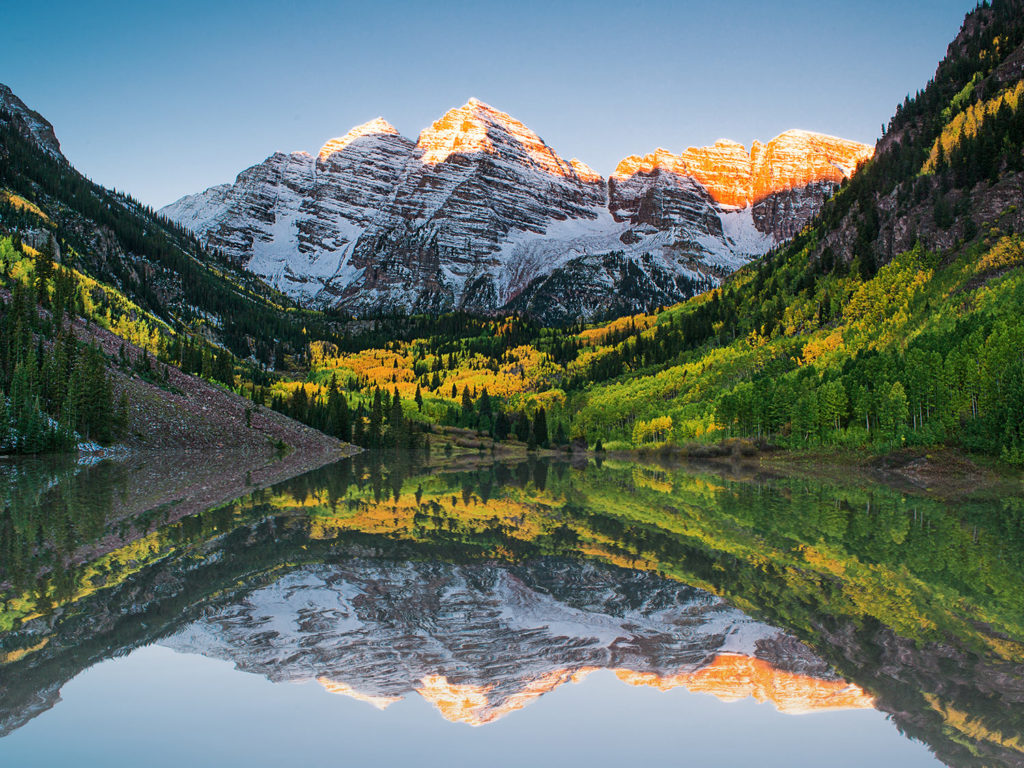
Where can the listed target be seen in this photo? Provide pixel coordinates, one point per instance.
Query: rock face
(480, 214)
(783, 183)
(481, 641)
(29, 123)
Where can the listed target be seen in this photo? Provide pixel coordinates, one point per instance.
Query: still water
(382, 612)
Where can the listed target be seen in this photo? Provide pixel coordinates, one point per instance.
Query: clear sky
(162, 99)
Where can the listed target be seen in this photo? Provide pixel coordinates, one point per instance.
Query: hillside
(67, 381)
(894, 318)
(117, 327)
(120, 243)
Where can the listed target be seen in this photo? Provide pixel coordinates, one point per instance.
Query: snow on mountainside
(480, 213)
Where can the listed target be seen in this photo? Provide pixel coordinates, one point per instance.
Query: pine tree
(501, 427)
(523, 430)
(375, 427)
(467, 408)
(398, 434)
(540, 428)
(5, 423)
(44, 269)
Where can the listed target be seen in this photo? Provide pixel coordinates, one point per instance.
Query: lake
(166, 611)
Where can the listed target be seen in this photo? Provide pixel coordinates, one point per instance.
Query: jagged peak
(462, 130)
(727, 676)
(825, 141)
(659, 158)
(377, 126)
(38, 127)
(801, 133)
(738, 178)
(729, 144)
(344, 689)
(585, 172)
(821, 150)
(474, 128)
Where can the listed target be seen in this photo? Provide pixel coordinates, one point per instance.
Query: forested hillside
(895, 316)
(79, 260)
(159, 266)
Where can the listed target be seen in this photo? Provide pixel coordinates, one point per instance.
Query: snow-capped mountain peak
(476, 127)
(480, 213)
(375, 127)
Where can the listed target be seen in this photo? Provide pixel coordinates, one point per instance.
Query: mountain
(480, 214)
(107, 307)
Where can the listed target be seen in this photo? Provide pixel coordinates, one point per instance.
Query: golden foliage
(1007, 252)
(966, 124)
(20, 203)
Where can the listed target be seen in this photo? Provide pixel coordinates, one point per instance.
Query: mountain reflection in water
(480, 641)
(482, 588)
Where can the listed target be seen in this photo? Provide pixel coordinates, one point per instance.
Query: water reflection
(480, 641)
(481, 588)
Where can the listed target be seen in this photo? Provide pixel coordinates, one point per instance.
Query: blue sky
(162, 99)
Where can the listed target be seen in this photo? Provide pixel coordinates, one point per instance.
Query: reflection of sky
(159, 708)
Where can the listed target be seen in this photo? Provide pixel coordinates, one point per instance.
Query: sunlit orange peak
(585, 172)
(344, 689)
(374, 127)
(467, 130)
(464, 703)
(735, 177)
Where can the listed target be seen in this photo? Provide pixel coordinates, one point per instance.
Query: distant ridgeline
(892, 318)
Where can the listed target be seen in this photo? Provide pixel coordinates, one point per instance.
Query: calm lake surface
(381, 612)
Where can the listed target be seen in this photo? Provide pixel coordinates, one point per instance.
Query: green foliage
(53, 388)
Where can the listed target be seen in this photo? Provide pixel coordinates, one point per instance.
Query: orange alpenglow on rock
(732, 677)
(737, 178)
(585, 172)
(375, 127)
(466, 131)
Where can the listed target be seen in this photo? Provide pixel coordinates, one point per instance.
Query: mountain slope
(102, 301)
(480, 213)
(119, 242)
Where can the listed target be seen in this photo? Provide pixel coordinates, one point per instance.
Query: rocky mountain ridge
(29, 123)
(480, 213)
